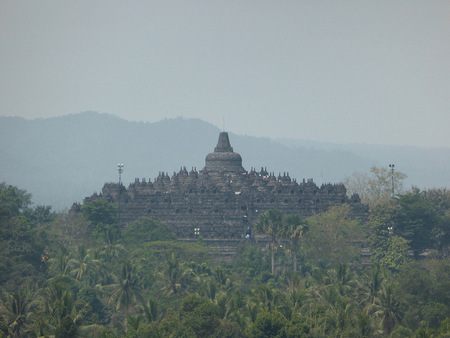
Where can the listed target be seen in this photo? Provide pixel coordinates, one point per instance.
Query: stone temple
(223, 200)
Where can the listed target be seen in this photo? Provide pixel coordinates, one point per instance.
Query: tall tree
(83, 262)
(39, 215)
(381, 228)
(271, 223)
(21, 250)
(175, 276)
(14, 199)
(396, 254)
(334, 236)
(99, 212)
(66, 328)
(377, 187)
(199, 317)
(15, 306)
(296, 229)
(440, 198)
(415, 220)
(388, 309)
(128, 289)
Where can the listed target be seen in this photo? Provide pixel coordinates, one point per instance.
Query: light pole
(120, 171)
(392, 179)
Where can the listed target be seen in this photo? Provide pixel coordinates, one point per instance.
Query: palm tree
(220, 276)
(56, 302)
(111, 248)
(344, 312)
(128, 288)
(174, 276)
(296, 229)
(364, 324)
(80, 263)
(150, 310)
(376, 280)
(388, 309)
(268, 297)
(133, 322)
(15, 306)
(211, 289)
(60, 264)
(296, 293)
(225, 305)
(271, 223)
(345, 279)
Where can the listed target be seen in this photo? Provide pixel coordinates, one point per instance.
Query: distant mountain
(62, 160)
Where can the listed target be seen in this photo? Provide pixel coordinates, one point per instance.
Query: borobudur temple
(222, 200)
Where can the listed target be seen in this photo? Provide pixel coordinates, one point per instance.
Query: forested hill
(62, 160)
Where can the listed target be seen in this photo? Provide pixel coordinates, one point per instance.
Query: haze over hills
(64, 159)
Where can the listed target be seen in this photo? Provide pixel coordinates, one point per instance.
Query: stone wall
(222, 207)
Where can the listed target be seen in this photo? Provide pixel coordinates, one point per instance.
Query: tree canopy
(80, 274)
(376, 187)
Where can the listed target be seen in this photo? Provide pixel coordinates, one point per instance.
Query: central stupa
(224, 160)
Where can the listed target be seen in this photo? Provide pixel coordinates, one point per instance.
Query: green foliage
(365, 328)
(13, 199)
(128, 289)
(22, 239)
(151, 255)
(296, 228)
(381, 225)
(109, 233)
(198, 317)
(388, 309)
(65, 282)
(40, 215)
(269, 324)
(413, 216)
(66, 329)
(21, 250)
(298, 327)
(3, 327)
(396, 254)
(402, 332)
(98, 282)
(97, 312)
(146, 230)
(251, 260)
(15, 306)
(150, 310)
(334, 236)
(271, 224)
(444, 329)
(425, 283)
(99, 211)
(415, 220)
(434, 313)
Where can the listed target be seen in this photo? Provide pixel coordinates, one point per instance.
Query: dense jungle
(81, 274)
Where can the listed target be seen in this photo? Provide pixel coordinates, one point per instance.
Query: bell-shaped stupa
(223, 160)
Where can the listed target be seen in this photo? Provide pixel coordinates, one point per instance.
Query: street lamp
(120, 171)
(392, 178)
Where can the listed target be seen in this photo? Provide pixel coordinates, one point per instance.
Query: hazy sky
(339, 71)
